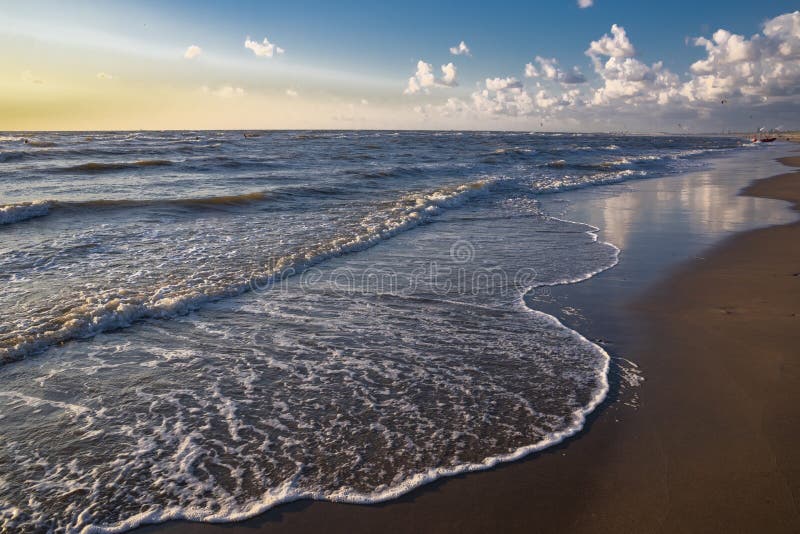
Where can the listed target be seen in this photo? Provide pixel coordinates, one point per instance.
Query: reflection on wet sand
(698, 208)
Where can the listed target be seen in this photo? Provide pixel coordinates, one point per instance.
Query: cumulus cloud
(626, 79)
(583, 4)
(747, 70)
(460, 50)
(292, 93)
(226, 91)
(504, 96)
(104, 76)
(421, 80)
(449, 75)
(758, 74)
(548, 67)
(549, 70)
(615, 45)
(192, 52)
(503, 84)
(765, 65)
(424, 79)
(264, 48)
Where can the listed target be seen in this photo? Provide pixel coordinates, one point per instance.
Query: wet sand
(711, 447)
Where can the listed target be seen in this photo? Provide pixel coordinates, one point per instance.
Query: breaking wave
(120, 307)
(13, 213)
(96, 167)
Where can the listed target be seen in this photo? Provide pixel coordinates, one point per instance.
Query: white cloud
(226, 91)
(192, 52)
(502, 96)
(460, 50)
(548, 67)
(449, 75)
(626, 80)
(766, 65)
(423, 79)
(364, 102)
(747, 70)
(104, 76)
(583, 4)
(292, 93)
(544, 100)
(549, 70)
(759, 74)
(784, 33)
(502, 84)
(614, 45)
(263, 49)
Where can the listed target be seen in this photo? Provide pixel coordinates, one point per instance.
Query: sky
(561, 65)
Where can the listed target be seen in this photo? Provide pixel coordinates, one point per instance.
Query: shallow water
(201, 325)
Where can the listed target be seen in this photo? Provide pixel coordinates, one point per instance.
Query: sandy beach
(709, 447)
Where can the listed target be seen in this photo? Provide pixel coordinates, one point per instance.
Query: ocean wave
(321, 135)
(384, 173)
(98, 167)
(500, 155)
(13, 213)
(570, 182)
(618, 162)
(40, 144)
(514, 150)
(13, 155)
(590, 166)
(225, 200)
(26, 141)
(119, 308)
(352, 157)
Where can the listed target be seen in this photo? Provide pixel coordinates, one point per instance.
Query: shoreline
(692, 458)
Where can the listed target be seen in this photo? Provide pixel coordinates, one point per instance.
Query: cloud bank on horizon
(759, 70)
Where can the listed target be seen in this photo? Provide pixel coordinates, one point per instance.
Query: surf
(119, 308)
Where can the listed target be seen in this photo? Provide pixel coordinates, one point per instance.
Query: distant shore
(711, 448)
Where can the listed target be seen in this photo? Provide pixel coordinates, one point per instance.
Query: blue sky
(366, 51)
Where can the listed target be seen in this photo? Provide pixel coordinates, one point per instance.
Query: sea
(204, 324)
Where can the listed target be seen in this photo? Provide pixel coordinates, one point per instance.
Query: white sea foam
(118, 308)
(169, 449)
(570, 182)
(13, 213)
(288, 492)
